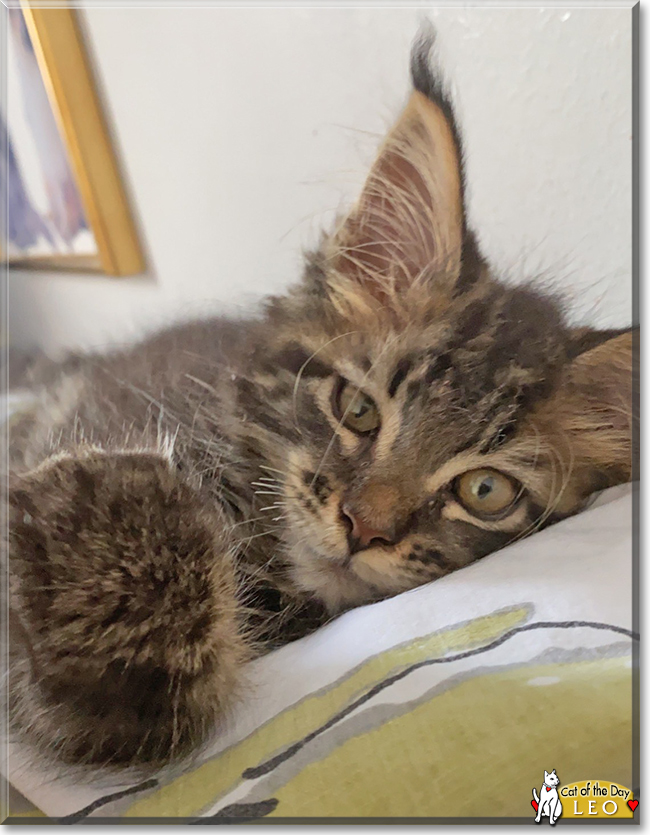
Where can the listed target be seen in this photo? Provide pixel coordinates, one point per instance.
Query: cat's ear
(588, 424)
(546, 775)
(408, 224)
(602, 377)
(599, 395)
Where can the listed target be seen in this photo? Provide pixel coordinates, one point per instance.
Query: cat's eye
(355, 409)
(486, 492)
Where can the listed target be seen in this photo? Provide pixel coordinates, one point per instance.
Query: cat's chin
(334, 581)
(341, 583)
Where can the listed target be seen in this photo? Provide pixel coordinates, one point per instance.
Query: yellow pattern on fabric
(477, 749)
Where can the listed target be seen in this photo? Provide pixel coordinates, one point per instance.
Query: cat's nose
(362, 535)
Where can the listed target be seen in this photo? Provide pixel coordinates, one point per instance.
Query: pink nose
(361, 534)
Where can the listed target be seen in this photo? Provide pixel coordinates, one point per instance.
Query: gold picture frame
(62, 59)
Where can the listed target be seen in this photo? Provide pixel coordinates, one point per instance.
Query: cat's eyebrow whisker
(301, 370)
(555, 494)
(386, 346)
(565, 482)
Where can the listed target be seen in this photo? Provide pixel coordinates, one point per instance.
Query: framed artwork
(64, 206)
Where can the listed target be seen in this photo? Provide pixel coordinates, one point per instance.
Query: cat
(177, 507)
(548, 802)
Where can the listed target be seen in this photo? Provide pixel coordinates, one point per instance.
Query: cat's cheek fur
(312, 501)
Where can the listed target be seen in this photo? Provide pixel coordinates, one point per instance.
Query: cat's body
(548, 803)
(226, 485)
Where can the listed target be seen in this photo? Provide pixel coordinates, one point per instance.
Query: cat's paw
(124, 625)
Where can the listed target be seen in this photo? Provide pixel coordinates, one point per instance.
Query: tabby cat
(227, 486)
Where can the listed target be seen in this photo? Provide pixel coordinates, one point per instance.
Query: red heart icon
(533, 803)
(632, 804)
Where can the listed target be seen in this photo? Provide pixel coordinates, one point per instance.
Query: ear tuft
(422, 77)
(432, 84)
(407, 230)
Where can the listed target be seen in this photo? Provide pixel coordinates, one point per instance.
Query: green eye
(486, 492)
(356, 410)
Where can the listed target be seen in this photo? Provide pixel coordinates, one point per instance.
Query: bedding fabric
(448, 701)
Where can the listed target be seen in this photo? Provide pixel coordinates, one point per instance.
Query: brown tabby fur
(176, 507)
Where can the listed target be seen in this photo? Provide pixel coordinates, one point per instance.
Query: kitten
(229, 485)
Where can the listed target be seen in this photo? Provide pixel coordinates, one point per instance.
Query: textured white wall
(242, 130)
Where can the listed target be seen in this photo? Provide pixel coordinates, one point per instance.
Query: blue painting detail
(41, 205)
(19, 218)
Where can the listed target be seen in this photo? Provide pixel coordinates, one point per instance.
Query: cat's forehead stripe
(437, 368)
(297, 359)
(399, 375)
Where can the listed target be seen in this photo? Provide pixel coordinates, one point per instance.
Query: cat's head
(414, 413)
(551, 779)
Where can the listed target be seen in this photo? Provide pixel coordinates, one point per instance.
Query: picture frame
(98, 233)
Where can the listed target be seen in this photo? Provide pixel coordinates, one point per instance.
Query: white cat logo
(548, 802)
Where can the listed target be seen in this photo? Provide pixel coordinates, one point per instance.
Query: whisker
(346, 412)
(294, 397)
(271, 469)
